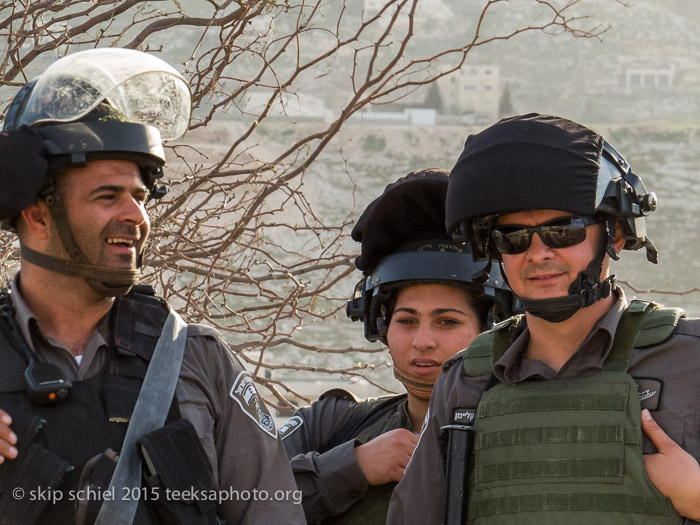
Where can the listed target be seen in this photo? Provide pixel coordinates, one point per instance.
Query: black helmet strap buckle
(610, 245)
(377, 312)
(483, 275)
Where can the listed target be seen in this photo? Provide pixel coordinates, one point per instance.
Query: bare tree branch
(239, 242)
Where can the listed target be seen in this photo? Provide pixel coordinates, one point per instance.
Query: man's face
(105, 203)
(541, 272)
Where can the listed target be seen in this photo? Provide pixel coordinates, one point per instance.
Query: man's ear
(619, 242)
(37, 220)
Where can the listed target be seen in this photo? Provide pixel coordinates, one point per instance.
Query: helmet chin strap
(584, 291)
(106, 281)
(110, 282)
(418, 387)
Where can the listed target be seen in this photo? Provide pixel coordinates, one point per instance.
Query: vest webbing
(547, 449)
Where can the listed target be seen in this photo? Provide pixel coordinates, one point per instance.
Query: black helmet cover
(524, 163)
(403, 240)
(535, 162)
(23, 168)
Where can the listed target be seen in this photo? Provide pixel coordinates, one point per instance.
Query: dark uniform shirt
(332, 482)
(675, 364)
(244, 456)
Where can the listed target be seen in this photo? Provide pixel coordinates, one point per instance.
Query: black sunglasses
(558, 233)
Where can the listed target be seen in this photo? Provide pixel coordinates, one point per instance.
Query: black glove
(23, 168)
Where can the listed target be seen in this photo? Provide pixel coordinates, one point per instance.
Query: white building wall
(475, 89)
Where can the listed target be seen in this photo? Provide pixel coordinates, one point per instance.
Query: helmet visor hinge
(78, 159)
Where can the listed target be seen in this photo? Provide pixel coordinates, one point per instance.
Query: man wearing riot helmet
(585, 408)
(111, 404)
(417, 296)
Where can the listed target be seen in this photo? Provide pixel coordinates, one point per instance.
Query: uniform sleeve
(254, 481)
(330, 482)
(419, 495)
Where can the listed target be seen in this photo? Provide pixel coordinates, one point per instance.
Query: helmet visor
(143, 87)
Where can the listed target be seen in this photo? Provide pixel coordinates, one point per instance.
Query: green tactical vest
(373, 508)
(566, 451)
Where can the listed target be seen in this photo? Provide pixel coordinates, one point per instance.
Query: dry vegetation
(237, 243)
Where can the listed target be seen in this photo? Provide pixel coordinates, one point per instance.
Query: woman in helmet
(418, 298)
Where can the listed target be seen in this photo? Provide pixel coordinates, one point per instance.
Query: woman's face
(430, 323)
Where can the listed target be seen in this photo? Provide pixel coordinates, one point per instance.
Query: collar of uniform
(405, 419)
(29, 325)
(23, 315)
(512, 368)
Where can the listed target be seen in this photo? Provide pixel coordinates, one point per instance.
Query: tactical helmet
(105, 104)
(532, 162)
(404, 242)
(97, 104)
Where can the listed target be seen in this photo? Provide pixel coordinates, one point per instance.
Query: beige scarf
(417, 386)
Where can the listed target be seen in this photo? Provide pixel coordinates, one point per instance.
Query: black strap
(460, 443)
(150, 413)
(15, 354)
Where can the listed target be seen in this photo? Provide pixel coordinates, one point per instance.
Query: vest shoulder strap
(488, 347)
(642, 324)
(658, 325)
(13, 348)
(137, 320)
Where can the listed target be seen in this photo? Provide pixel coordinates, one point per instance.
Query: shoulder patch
(338, 392)
(291, 426)
(245, 394)
(649, 390)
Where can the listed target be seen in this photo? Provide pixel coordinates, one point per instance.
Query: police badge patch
(244, 393)
(649, 392)
(291, 426)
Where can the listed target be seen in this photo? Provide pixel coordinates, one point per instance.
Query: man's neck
(66, 308)
(555, 343)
